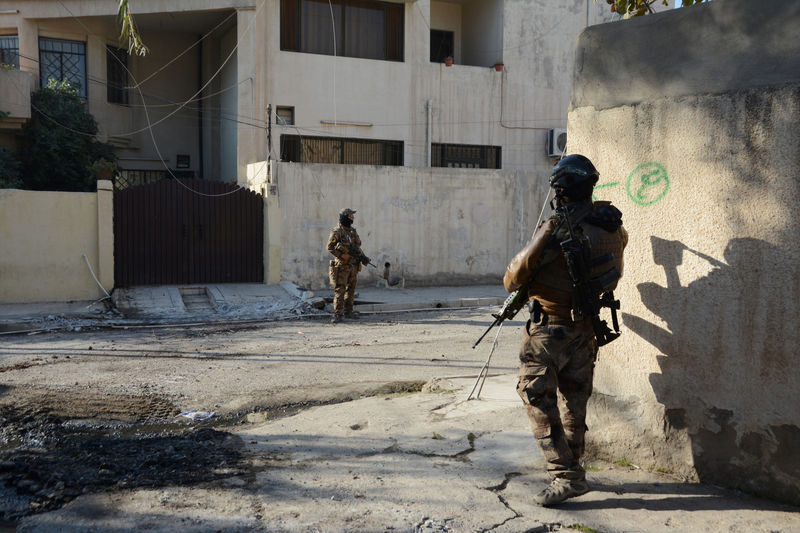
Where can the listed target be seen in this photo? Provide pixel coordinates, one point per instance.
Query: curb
(435, 304)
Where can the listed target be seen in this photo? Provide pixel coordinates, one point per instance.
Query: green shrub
(9, 170)
(58, 143)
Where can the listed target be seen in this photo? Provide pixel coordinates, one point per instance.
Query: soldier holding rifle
(566, 272)
(345, 245)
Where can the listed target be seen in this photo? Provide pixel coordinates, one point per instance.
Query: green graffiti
(647, 184)
(603, 186)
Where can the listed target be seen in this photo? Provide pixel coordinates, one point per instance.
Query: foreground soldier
(345, 245)
(560, 346)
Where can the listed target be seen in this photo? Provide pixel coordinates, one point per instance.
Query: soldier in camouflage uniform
(558, 354)
(345, 245)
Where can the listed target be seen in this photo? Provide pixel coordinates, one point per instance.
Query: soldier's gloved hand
(365, 260)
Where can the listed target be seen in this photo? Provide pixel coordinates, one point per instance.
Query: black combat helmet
(344, 217)
(574, 176)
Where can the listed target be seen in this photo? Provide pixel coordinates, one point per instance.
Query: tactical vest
(552, 285)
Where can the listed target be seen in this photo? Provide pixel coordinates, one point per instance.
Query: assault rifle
(587, 291)
(515, 301)
(587, 299)
(362, 258)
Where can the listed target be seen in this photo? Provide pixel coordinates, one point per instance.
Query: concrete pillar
(261, 180)
(273, 229)
(245, 59)
(105, 233)
(29, 47)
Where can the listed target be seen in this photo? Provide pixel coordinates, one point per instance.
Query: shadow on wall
(725, 358)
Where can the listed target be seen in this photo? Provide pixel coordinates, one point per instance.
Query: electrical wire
(212, 30)
(182, 105)
(150, 124)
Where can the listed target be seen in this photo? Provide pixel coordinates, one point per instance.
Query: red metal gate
(192, 231)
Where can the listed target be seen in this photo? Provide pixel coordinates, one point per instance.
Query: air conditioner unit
(556, 142)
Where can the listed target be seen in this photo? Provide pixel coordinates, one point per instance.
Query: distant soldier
(561, 338)
(345, 245)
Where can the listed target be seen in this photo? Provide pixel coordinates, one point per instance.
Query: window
(360, 28)
(465, 156)
(63, 60)
(441, 45)
(337, 150)
(9, 50)
(285, 115)
(116, 75)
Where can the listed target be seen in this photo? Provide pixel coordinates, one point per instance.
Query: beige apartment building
(231, 82)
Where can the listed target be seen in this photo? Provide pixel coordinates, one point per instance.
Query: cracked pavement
(424, 462)
(308, 437)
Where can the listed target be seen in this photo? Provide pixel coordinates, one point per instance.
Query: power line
(150, 125)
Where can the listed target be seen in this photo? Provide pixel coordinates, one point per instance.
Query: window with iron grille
(61, 60)
(367, 29)
(465, 156)
(337, 150)
(116, 75)
(9, 50)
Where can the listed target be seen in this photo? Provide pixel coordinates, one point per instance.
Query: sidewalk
(232, 302)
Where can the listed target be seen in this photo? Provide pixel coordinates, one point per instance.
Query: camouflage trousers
(344, 287)
(555, 382)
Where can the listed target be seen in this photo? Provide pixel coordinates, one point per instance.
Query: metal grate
(336, 150)
(465, 156)
(61, 60)
(9, 50)
(132, 178)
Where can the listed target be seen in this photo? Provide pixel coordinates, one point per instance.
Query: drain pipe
(428, 130)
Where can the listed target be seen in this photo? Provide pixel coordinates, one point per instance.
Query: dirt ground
(93, 417)
(98, 409)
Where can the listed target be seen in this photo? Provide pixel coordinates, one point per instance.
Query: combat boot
(353, 315)
(561, 489)
(336, 319)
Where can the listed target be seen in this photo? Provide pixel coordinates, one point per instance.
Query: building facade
(229, 83)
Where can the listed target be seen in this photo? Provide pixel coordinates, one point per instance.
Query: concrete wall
(435, 226)
(697, 141)
(15, 97)
(43, 236)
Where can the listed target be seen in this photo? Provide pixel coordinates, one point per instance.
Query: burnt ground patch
(52, 452)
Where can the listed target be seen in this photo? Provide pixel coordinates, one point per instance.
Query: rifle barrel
(493, 324)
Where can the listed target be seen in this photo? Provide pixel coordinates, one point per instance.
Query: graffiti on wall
(646, 184)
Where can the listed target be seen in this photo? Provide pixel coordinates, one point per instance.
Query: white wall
(435, 226)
